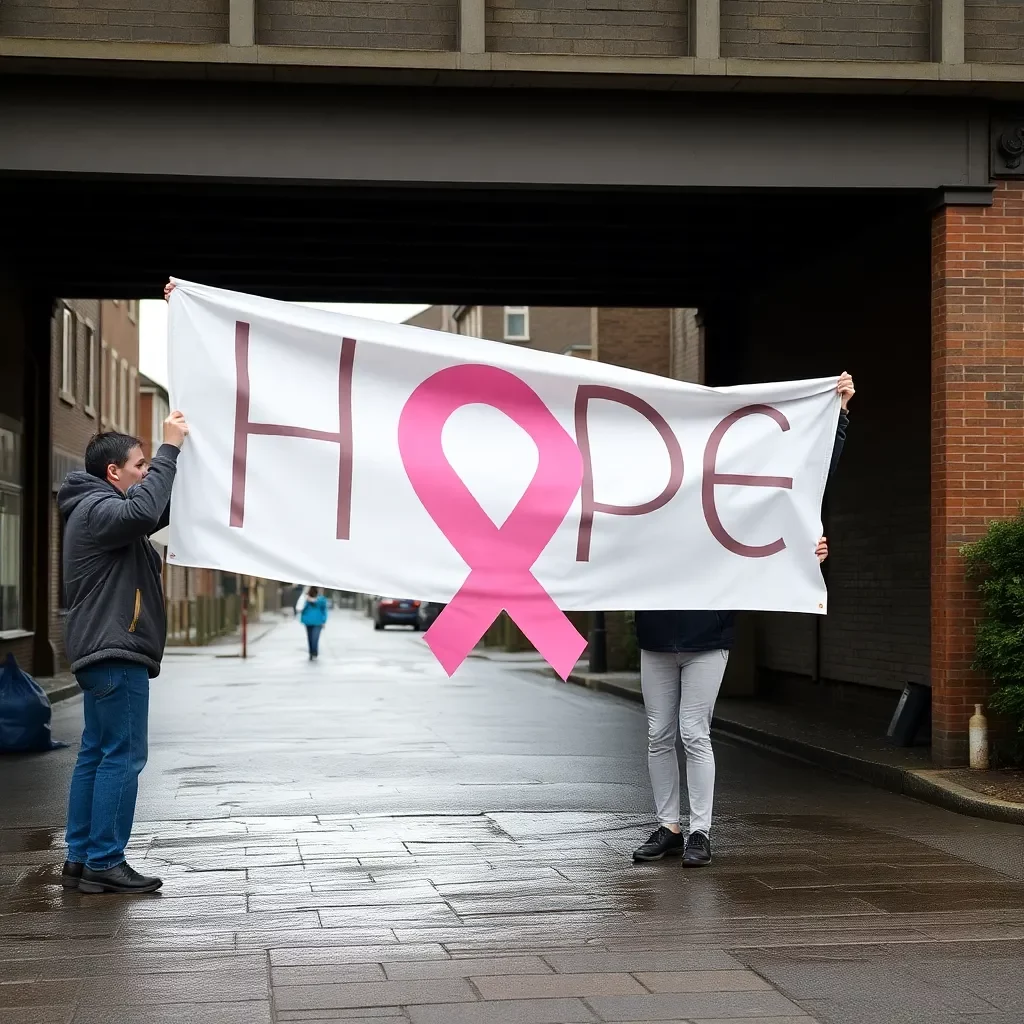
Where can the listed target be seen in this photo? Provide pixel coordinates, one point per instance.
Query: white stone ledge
(681, 68)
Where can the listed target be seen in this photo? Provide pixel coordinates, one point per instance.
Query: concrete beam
(242, 23)
(706, 30)
(472, 26)
(948, 31)
(95, 126)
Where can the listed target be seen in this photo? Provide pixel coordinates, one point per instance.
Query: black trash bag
(24, 712)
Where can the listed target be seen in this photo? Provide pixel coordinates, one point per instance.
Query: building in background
(94, 387)
(563, 329)
(655, 340)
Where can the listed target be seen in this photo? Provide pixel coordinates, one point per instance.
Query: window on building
(67, 353)
(133, 400)
(11, 578)
(113, 390)
(104, 421)
(90, 369)
(517, 323)
(133, 310)
(122, 409)
(470, 323)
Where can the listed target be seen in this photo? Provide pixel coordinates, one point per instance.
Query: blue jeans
(115, 745)
(313, 636)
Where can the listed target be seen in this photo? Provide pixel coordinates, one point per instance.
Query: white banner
(386, 459)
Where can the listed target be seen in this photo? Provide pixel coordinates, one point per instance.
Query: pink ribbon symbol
(500, 558)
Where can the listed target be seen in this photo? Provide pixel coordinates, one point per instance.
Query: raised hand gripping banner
(392, 460)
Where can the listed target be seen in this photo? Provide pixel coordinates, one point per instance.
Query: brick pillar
(977, 430)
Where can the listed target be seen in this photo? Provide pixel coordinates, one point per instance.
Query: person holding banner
(683, 655)
(114, 636)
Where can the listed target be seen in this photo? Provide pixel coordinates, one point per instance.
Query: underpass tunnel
(787, 284)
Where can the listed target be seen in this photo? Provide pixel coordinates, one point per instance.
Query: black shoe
(698, 851)
(70, 874)
(662, 841)
(120, 878)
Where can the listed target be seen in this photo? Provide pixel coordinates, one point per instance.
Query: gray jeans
(680, 691)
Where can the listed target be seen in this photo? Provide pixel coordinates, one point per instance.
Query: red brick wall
(978, 429)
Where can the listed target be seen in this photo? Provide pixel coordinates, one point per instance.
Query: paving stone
(377, 1014)
(193, 987)
(277, 938)
(868, 1012)
(361, 1019)
(554, 986)
(37, 993)
(356, 954)
(38, 1014)
(250, 1012)
(465, 968)
(327, 974)
(520, 1011)
(426, 914)
(702, 981)
(697, 959)
(383, 993)
(692, 1004)
(802, 1019)
(121, 963)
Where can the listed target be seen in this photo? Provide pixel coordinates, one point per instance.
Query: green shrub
(996, 561)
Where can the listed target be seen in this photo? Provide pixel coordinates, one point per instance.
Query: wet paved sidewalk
(364, 839)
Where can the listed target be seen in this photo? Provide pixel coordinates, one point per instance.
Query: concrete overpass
(830, 183)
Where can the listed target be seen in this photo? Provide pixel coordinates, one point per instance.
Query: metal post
(245, 619)
(598, 645)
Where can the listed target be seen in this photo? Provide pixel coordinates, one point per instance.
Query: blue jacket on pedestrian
(314, 613)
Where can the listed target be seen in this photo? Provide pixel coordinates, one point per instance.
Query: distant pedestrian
(114, 638)
(314, 618)
(683, 655)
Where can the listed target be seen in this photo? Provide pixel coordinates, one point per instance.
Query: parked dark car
(427, 612)
(395, 611)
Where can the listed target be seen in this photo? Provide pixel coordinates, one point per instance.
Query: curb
(211, 649)
(62, 692)
(920, 784)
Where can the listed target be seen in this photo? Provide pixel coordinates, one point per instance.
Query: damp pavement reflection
(361, 838)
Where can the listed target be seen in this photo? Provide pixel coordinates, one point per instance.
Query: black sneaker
(120, 878)
(71, 874)
(698, 851)
(662, 841)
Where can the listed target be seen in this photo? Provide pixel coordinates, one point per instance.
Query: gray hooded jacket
(112, 582)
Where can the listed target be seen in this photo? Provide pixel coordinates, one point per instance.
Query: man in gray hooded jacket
(114, 637)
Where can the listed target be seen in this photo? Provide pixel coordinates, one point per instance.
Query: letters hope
(477, 384)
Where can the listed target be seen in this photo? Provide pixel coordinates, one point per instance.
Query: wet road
(364, 839)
